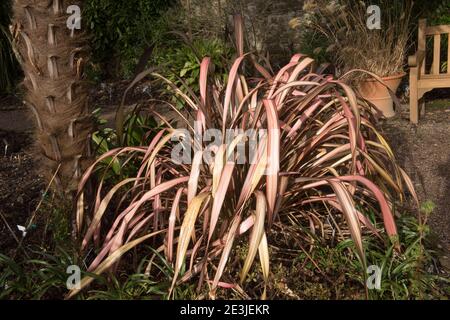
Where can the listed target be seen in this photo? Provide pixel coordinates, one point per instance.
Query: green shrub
(138, 131)
(121, 31)
(181, 64)
(435, 11)
(412, 273)
(41, 276)
(8, 64)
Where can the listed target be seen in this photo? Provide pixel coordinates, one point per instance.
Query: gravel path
(424, 152)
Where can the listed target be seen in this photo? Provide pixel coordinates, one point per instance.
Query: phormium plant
(319, 153)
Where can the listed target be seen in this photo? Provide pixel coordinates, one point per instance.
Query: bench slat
(437, 54)
(422, 42)
(435, 76)
(448, 54)
(433, 30)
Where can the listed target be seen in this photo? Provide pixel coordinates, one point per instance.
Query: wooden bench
(421, 81)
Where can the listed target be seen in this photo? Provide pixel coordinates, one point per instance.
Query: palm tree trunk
(52, 57)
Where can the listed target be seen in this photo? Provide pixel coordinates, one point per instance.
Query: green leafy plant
(8, 64)
(151, 281)
(41, 277)
(440, 12)
(122, 31)
(139, 129)
(181, 64)
(407, 275)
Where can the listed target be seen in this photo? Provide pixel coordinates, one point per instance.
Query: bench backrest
(436, 32)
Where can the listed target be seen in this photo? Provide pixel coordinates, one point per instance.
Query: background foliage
(8, 66)
(121, 31)
(181, 64)
(436, 11)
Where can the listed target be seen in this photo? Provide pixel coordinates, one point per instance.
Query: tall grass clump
(319, 155)
(354, 40)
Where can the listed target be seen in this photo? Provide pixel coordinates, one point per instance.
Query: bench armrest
(417, 59)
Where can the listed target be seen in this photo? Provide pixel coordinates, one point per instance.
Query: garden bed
(421, 150)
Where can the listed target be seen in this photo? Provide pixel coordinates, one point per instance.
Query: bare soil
(424, 152)
(21, 187)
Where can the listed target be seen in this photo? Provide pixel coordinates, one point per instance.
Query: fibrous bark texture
(52, 56)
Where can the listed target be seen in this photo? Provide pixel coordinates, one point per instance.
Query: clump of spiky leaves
(40, 276)
(321, 155)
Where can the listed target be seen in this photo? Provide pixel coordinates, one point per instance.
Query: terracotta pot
(378, 94)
